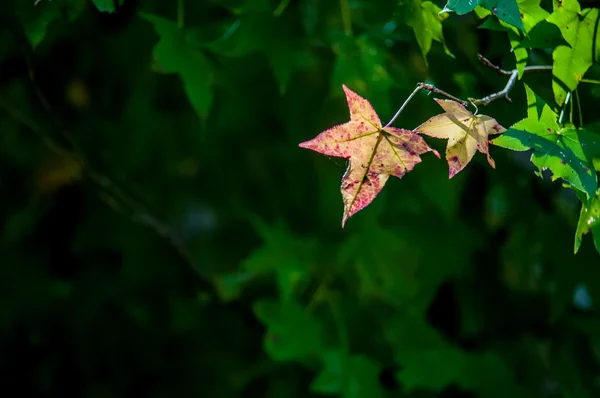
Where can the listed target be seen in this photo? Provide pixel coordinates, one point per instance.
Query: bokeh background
(163, 235)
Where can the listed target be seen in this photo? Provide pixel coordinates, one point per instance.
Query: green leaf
(532, 13)
(37, 18)
(543, 35)
(369, 254)
(107, 5)
(175, 53)
(579, 28)
(505, 10)
(354, 376)
(566, 152)
(287, 256)
(435, 369)
(589, 220)
(292, 333)
(230, 285)
(425, 19)
(361, 64)
(461, 7)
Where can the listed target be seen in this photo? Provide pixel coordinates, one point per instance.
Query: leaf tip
(454, 166)
(305, 144)
(345, 218)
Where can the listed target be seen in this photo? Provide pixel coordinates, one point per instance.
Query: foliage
(163, 235)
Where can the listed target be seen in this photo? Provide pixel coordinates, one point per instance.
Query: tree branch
(432, 89)
(509, 85)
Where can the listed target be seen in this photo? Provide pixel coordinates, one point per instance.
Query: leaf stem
(410, 97)
(473, 101)
(431, 88)
(423, 86)
(346, 18)
(180, 14)
(593, 81)
(579, 108)
(571, 111)
(562, 112)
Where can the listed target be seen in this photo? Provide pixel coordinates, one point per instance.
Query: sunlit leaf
(566, 152)
(580, 30)
(375, 153)
(589, 220)
(465, 132)
(543, 35)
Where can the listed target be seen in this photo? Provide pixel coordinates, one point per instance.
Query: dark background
(163, 235)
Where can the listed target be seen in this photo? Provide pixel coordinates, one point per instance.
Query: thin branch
(593, 81)
(21, 118)
(431, 88)
(500, 94)
(489, 63)
(424, 86)
(48, 108)
(579, 108)
(511, 81)
(410, 97)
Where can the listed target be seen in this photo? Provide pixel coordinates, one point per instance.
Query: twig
(473, 101)
(511, 80)
(410, 97)
(431, 88)
(500, 94)
(423, 86)
(18, 116)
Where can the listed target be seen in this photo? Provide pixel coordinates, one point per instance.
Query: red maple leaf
(375, 152)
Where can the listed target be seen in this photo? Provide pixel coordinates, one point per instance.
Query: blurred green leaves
(292, 333)
(176, 52)
(348, 376)
(425, 19)
(107, 5)
(38, 18)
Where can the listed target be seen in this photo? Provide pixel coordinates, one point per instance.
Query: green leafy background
(163, 235)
